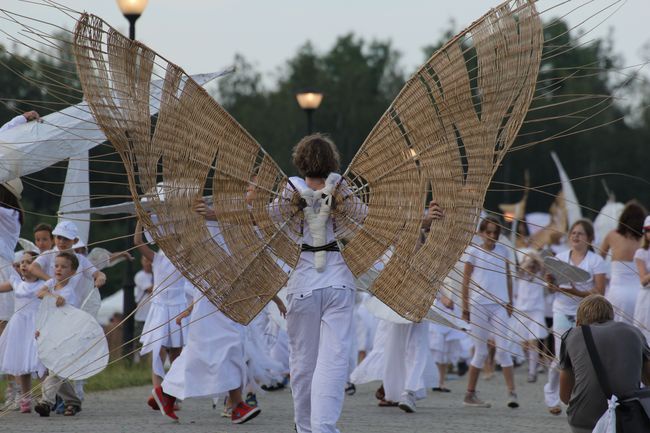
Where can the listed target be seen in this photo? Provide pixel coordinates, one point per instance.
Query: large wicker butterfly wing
(443, 138)
(241, 264)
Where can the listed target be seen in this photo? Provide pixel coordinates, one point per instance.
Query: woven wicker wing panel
(238, 266)
(444, 135)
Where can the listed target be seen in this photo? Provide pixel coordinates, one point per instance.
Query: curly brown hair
(316, 155)
(631, 220)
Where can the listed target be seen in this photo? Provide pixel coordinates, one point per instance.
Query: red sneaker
(152, 403)
(243, 413)
(165, 402)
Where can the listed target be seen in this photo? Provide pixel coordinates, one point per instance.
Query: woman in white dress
(642, 261)
(568, 296)
(621, 244)
(11, 219)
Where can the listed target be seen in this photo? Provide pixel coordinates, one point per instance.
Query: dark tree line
(359, 79)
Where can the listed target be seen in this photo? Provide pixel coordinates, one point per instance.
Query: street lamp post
(309, 100)
(131, 9)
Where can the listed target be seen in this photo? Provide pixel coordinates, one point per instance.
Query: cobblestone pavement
(124, 411)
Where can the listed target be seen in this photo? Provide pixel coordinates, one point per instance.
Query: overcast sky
(204, 35)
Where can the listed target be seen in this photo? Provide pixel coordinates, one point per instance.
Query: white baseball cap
(15, 186)
(646, 223)
(80, 244)
(67, 229)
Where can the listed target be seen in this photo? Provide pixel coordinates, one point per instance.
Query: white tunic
(489, 284)
(592, 263)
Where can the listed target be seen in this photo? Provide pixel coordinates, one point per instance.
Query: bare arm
(605, 246)
(36, 270)
(599, 285)
(6, 287)
(567, 381)
(467, 275)
(203, 209)
(140, 245)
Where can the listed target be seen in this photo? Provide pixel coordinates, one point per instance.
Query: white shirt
(10, 229)
(305, 278)
(168, 283)
(67, 292)
(16, 121)
(530, 294)
(143, 280)
(592, 263)
(83, 277)
(488, 279)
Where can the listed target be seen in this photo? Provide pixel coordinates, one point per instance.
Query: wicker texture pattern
(443, 137)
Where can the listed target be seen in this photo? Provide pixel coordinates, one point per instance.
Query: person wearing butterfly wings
(320, 291)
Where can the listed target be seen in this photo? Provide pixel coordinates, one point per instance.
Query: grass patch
(121, 374)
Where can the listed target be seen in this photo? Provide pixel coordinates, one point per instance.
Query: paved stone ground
(124, 411)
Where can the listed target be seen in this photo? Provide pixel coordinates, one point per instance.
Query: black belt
(332, 246)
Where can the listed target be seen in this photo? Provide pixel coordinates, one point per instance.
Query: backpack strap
(601, 373)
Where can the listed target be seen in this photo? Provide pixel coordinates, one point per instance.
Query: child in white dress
(528, 324)
(161, 335)
(642, 261)
(18, 351)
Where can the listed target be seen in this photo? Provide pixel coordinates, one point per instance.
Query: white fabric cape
(68, 133)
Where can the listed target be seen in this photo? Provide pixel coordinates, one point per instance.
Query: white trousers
(561, 324)
(490, 320)
(319, 325)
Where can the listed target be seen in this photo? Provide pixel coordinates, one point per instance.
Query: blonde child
(18, 352)
(63, 288)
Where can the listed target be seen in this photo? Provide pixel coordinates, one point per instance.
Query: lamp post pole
(131, 9)
(309, 100)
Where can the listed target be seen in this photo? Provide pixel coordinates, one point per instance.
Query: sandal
(387, 403)
(555, 410)
(380, 394)
(71, 410)
(441, 389)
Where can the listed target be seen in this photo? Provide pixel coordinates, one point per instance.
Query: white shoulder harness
(317, 212)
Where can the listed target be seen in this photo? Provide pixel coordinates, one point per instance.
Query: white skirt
(160, 328)
(528, 325)
(18, 350)
(261, 367)
(372, 366)
(623, 290)
(642, 311)
(212, 363)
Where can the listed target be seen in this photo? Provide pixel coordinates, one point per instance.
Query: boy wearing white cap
(65, 236)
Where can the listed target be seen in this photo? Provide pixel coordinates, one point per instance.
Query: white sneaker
(407, 402)
(512, 400)
(472, 400)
